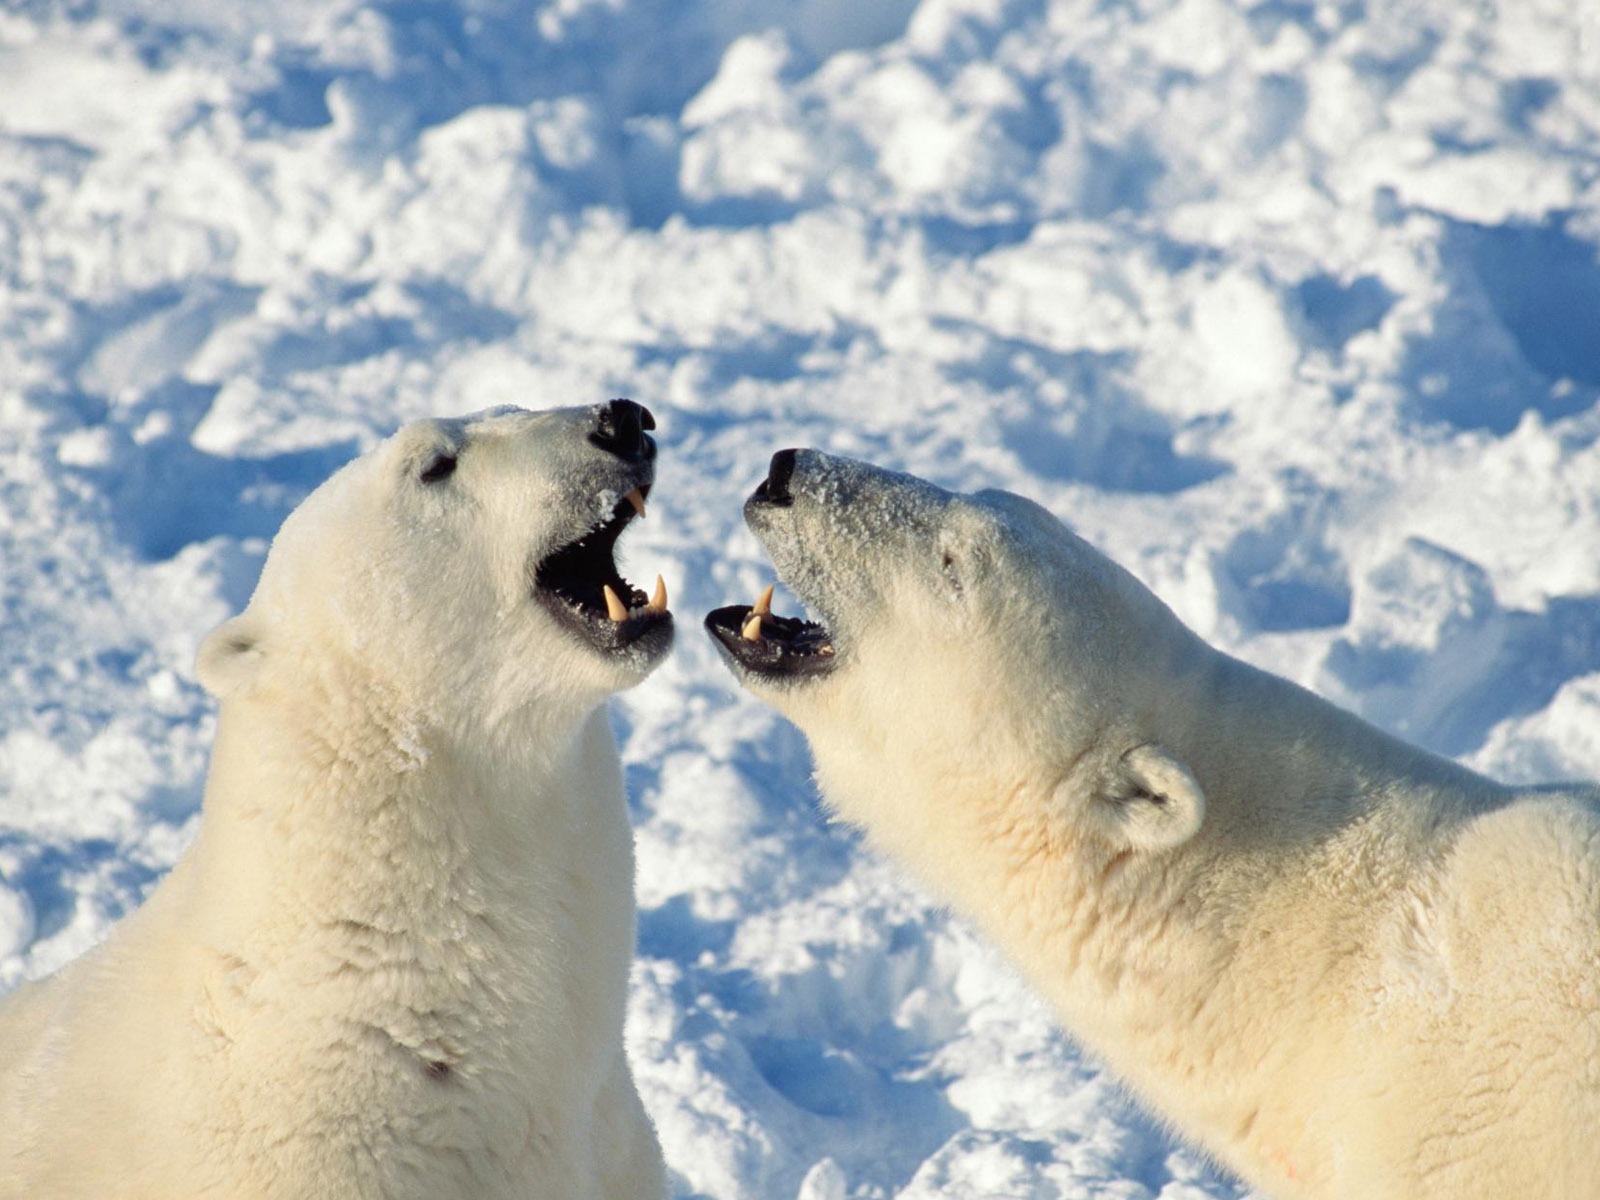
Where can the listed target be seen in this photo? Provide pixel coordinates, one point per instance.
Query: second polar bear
(394, 962)
(1345, 966)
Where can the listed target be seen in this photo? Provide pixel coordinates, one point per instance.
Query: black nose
(774, 489)
(620, 429)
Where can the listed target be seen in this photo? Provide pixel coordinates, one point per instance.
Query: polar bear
(394, 961)
(1346, 967)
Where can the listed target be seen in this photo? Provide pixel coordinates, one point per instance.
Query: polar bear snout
(576, 579)
(621, 429)
(774, 489)
(756, 642)
(825, 521)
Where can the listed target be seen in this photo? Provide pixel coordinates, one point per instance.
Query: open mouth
(580, 584)
(756, 640)
(751, 636)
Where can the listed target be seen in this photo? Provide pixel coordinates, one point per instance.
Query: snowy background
(1292, 306)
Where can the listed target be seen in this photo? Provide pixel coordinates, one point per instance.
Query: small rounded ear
(1151, 801)
(230, 656)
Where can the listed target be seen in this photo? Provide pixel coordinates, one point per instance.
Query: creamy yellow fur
(394, 962)
(1346, 967)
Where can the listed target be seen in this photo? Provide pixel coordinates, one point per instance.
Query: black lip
(570, 583)
(789, 648)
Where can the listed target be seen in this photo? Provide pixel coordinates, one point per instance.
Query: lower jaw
(641, 633)
(765, 659)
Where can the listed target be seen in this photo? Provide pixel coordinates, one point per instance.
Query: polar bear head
(967, 647)
(460, 570)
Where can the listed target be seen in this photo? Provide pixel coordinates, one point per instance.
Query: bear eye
(951, 570)
(441, 466)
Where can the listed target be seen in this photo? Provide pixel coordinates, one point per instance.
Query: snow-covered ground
(1292, 306)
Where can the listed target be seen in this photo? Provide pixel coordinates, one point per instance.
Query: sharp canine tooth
(615, 608)
(825, 651)
(636, 498)
(764, 604)
(658, 602)
(752, 628)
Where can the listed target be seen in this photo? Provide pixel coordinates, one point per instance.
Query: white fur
(1348, 968)
(394, 962)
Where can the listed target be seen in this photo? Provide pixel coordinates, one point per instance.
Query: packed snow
(1292, 306)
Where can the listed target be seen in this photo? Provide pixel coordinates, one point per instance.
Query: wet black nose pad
(774, 489)
(620, 429)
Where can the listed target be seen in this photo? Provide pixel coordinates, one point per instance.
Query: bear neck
(1280, 764)
(1168, 964)
(331, 797)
